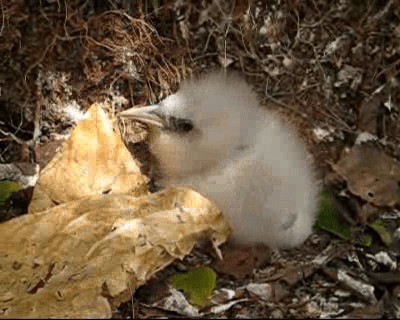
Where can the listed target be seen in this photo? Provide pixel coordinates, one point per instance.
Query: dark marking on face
(179, 125)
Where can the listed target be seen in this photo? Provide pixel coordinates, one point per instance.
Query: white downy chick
(212, 136)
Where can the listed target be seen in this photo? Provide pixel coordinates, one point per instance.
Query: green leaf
(329, 221)
(379, 227)
(198, 284)
(6, 188)
(365, 240)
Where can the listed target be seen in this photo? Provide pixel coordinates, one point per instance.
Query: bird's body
(238, 155)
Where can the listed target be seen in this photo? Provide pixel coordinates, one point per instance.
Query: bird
(214, 137)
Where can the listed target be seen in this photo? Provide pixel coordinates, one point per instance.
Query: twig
(3, 18)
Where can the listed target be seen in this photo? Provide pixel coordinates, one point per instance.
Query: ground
(330, 68)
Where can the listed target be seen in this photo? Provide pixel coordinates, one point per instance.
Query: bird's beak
(151, 115)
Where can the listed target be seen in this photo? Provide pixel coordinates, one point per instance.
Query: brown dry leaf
(371, 175)
(367, 213)
(83, 258)
(240, 262)
(370, 109)
(385, 278)
(45, 152)
(292, 274)
(375, 311)
(94, 160)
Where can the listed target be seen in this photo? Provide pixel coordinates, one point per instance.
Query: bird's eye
(185, 125)
(180, 125)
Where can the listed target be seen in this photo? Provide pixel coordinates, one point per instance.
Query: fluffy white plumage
(213, 137)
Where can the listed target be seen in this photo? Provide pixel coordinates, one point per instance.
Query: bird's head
(201, 125)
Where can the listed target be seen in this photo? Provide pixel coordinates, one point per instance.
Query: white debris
(383, 258)
(365, 137)
(342, 293)
(363, 289)
(177, 302)
(389, 104)
(262, 290)
(333, 46)
(349, 75)
(74, 112)
(226, 306)
(396, 234)
(321, 134)
(222, 294)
